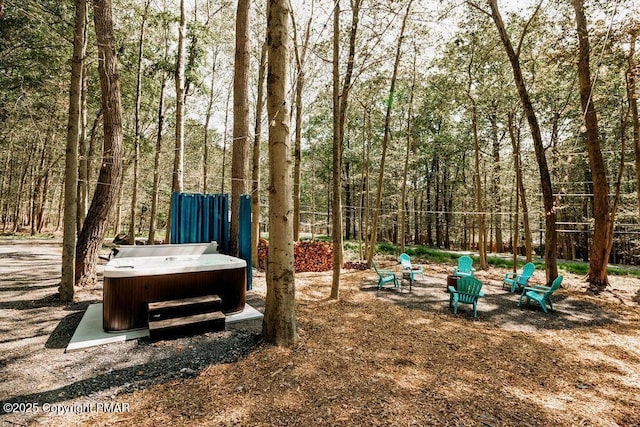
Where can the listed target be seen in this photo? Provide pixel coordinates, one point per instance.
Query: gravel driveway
(37, 378)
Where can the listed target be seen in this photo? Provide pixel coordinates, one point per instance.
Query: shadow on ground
(499, 306)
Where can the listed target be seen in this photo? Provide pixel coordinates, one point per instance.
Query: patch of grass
(422, 253)
(386, 248)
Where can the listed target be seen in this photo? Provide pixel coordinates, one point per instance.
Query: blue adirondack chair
(541, 294)
(465, 267)
(468, 292)
(518, 281)
(385, 276)
(409, 270)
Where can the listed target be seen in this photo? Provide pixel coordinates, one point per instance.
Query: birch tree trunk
(93, 231)
(67, 282)
(279, 324)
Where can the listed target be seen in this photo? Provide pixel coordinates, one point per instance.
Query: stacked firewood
(308, 256)
(355, 265)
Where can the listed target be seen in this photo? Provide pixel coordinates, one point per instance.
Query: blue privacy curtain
(203, 218)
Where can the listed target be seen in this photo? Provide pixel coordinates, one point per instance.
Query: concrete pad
(89, 332)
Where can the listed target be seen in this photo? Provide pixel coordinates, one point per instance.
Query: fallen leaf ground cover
(389, 357)
(395, 358)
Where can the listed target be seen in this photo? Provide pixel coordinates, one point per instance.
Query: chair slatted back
(405, 261)
(554, 287)
(527, 272)
(465, 264)
(468, 289)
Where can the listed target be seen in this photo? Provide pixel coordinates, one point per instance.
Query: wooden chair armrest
(452, 289)
(510, 275)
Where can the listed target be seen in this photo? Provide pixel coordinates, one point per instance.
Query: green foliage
(386, 248)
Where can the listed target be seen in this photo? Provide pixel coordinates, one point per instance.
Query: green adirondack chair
(385, 276)
(468, 292)
(410, 270)
(518, 281)
(465, 267)
(541, 294)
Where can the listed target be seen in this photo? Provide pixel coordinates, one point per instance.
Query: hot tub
(131, 283)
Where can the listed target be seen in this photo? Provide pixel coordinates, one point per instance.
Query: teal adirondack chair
(468, 292)
(541, 294)
(385, 276)
(410, 270)
(465, 267)
(519, 281)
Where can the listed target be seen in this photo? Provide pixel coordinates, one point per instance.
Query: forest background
(434, 130)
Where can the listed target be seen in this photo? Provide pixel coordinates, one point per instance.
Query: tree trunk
(83, 147)
(482, 233)
(405, 171)
(386, 137)
(158, 148)
(224, 141)
(551, 239)
(633, 105)
(67, 282)
(255, 167)
(598, 256)
(279, 324)
(336, 207)
(156, 166)
(93, 231)
(497, 211)
(240, 153)
(300, 55)
(177, 184)
(205, 151)
(136, 137)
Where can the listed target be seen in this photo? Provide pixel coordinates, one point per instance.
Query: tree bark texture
(136, 137)
(633, 105)
(240, 151)
(336, 207)
(598, 255)
(386, 137)
(300, 54)
(110, 176)
(551, 238)
(177, 183)
(67, 282)
(405, 170)
(279, 324)
(255, 167)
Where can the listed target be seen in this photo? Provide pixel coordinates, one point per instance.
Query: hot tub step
(188, 325)
(162, 310)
